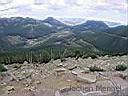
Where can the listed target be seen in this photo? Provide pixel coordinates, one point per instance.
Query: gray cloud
(109, 9)
(39, 2)
(4, 2)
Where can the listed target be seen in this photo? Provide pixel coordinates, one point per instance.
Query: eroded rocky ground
(69, 78)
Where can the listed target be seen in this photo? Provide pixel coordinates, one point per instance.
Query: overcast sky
(111, 10)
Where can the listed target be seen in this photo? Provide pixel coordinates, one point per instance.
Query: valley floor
(68, 78)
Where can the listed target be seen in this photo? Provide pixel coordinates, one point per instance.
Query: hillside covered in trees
(27, 39)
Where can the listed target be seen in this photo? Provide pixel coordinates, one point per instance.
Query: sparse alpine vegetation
(95, 68)
(121, 67)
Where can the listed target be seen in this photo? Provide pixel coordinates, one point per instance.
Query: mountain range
(27, 33)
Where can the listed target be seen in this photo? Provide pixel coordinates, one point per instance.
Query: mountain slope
(27, 27)
(120, 30)
(91, 25)
(28, 33)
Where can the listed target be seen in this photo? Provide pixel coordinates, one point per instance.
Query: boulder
(123, 75)
(25, 62)
(77, 71)
(60, 65)
(126, 71)
(88, 78)
(71, 67)
(60, 70)
(86, 70)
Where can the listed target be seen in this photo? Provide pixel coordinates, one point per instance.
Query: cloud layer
(111, 10)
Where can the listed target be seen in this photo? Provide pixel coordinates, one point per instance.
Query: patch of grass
(95, 68)
(2, 68)
(121, 67)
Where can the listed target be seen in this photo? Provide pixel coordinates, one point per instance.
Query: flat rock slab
(60, 70)
(77, 71)
(87, 78)
(93, 93)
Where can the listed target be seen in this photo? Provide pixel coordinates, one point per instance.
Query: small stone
(89, 58)
(3, 84)
(10, 88)
(38, 82)
(86, 70)
(27, 85)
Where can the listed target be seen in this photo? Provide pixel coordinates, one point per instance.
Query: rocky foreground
(68, 78)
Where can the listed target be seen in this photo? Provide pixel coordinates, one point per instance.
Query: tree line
(46, 55)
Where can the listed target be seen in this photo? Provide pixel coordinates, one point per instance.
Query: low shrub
(93, 56)
(2, 68)
(95, 68)
(121, 67)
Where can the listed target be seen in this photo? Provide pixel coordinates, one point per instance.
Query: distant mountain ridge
(25, 33)
(92, 25)
(53, 21)
(113, 24)
(77, 21)
(72, 21)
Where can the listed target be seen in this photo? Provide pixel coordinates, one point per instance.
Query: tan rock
(25, 62)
